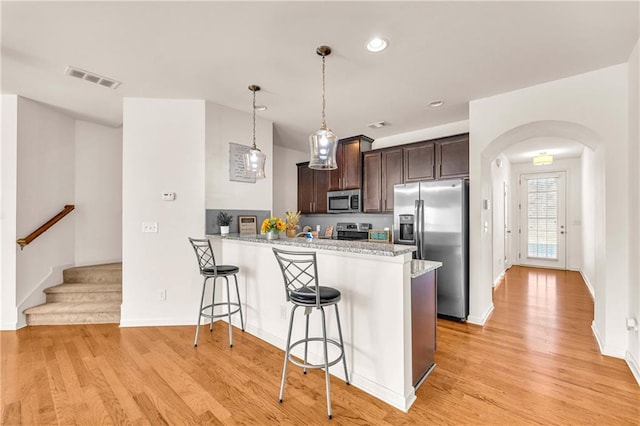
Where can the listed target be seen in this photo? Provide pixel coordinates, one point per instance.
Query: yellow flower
(273, 224)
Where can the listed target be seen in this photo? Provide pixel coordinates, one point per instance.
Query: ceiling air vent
(91, 77)
(377, 124)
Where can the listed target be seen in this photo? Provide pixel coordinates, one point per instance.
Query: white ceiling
(454, 51)
(559, 148)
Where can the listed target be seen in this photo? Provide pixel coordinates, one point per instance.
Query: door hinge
(519, 255)
(519, 206)
(519, 231)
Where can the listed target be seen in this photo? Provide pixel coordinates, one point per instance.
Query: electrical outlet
(149, 226)
(162, 294)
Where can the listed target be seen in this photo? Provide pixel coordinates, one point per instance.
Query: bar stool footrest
(224, 304)
(315, 339)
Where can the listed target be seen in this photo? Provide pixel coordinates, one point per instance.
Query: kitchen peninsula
(375, 280)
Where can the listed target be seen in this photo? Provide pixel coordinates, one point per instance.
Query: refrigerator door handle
(417, 226)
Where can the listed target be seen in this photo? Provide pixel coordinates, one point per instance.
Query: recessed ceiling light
(377, 124)
(261, 107)
(377, 44)
(436, 104)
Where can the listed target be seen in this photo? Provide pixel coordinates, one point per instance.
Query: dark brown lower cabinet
(424, 313)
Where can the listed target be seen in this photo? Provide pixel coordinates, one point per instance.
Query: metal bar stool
(300, 273)
(209, 269)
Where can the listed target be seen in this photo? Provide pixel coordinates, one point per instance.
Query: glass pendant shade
(254, 160)
(323, 145)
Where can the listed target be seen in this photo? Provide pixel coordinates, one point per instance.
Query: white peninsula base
(375, 309)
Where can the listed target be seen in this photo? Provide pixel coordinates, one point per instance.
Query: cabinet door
(321, 188)
(335, 176)
(419, 162)
(306, 188)
(372, 184)
(392, 173)
(453, 157)
(350, 164)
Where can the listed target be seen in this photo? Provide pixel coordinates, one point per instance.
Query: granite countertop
(421, 267)
(361, 247)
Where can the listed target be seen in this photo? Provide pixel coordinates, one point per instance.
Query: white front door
(542, 220)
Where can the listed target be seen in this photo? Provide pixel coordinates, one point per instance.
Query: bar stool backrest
(204, 253)
(300, 272)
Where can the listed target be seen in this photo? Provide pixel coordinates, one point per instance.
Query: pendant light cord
(254, 119)
(324, 121)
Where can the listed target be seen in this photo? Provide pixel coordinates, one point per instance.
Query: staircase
(88, 295)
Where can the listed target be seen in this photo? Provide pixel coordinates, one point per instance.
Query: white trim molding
(483, 319)
(634, 366)
(588, 284)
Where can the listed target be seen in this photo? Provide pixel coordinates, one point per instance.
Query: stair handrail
(68, 208)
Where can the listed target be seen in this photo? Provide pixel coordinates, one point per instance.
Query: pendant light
(254, 159)
(323, 143)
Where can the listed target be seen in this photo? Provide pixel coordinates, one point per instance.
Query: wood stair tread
(84, 288)
(73, 308)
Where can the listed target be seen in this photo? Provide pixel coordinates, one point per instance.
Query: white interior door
(507, 228)
(542, 220)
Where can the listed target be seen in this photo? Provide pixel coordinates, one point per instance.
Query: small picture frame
(379, 236)
(247, 225)
(328, 231)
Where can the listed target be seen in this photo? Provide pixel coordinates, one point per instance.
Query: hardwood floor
(535, 362)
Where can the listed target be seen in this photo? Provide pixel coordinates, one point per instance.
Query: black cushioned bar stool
(300, 273)
(209, 269)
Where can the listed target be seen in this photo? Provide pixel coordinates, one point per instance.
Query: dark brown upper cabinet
(452, 157)
(312, 189)
(348, 175)
(419, 162)
(382, 170)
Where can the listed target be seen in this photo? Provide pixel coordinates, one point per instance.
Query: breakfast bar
(375, 281)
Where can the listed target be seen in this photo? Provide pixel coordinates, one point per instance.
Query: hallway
(535, 362)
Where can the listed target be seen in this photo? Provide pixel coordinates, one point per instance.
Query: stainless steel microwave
(344, 201)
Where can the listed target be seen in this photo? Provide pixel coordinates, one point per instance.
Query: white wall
(592, 108)
(633, 350)
(285, 179)
(45, 184)
(163, 150)
(573, 206)
(500, 176)
(225, 125)
(8, 194)
(588, 190)
(98, 193)
(448, 129)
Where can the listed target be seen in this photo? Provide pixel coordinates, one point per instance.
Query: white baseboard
(483, 319)
(8, 326)
(498, 280)
(634, 366)
(589, 286)
(604, 348)
(98, 262)
(594, 330)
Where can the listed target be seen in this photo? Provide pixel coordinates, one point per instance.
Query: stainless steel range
(352, 231)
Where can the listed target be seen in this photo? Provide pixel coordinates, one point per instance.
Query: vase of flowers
(292, 223)
(224, 220)
(272, 226)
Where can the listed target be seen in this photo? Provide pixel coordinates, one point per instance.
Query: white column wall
(225, 125)
(98, 193)
(163, 150)
(45, 184)
(633, 350)
(588, 189)
(8, 194)
(285, 179)
(596, 101)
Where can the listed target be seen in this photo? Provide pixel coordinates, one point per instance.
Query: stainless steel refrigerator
(434, 215)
